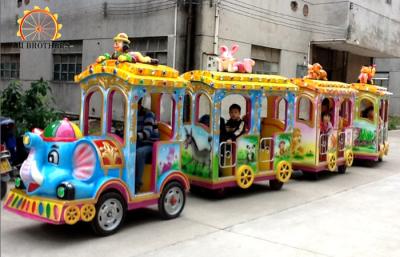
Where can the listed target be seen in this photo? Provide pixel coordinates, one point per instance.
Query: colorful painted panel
(196, 153)
(349, 137)
(168, 157)
(282, 148)
(303, 144)
(110, 155)
(333, 141)
(246, 152)
(35, 208)
(365, 139)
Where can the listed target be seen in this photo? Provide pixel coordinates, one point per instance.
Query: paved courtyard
(355, 214)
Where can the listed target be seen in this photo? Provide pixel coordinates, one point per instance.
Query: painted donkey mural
(202, 156)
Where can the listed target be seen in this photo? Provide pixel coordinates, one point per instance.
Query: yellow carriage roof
(377, 90)
(325, 86)
(135, 73)
(243, 81)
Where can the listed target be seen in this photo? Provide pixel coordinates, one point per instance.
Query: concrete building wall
(87, 22)
(391, 66)
(376, 27)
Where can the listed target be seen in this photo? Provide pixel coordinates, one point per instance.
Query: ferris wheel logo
(39, 24)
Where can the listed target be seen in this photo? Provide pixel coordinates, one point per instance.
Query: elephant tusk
(36, 175)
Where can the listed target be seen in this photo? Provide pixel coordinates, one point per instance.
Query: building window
(301, 70)
(67, 61)
(9, 67)
(155, 47)
(66, 66)
(382, 79)
(267, 59)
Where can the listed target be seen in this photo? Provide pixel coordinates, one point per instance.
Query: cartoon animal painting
(171, 158)
(201, 156)
(333, 141)
(296, 142)
(251, 152)
(226, 61)
(282, 148)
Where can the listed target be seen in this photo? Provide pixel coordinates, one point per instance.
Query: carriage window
(304, 109)
(146, 101)
(187, 108)
(244, 105)
(328, 107)
(367, 110)
(116, 114)
(167, 109)
(93, 113)
(281, 109)
(264, 107)
(203, 110)
(345, 114)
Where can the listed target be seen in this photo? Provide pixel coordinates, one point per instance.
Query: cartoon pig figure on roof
(226, 61)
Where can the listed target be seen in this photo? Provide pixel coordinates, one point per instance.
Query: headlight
(18, 183)
(66, 191)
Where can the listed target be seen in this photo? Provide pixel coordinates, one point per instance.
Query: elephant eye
(53, 157)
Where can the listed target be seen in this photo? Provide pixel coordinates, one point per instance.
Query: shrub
(29, 109)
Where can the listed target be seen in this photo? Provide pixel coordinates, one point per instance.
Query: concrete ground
(355, 214)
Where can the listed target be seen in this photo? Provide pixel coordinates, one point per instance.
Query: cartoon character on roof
(316, 72)
(366, 74)
(226, 61)
(122, 54)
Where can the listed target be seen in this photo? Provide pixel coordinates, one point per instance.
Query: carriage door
(381, 129)
(266, 152)
(196, 155)
(344, 123)
(385, 121)
(327, 107)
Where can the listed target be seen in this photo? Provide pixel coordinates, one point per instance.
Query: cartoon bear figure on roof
(316, 71)
(366, 74)
(226, 61)
(122, 54)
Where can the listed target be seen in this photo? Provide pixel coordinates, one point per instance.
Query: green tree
(30, 109)
(11, 101)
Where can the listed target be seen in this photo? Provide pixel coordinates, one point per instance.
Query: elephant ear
(84, 160)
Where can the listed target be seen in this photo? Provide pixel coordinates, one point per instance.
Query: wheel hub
(173, 201)
(110, 214)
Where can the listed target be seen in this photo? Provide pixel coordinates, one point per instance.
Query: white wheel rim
(110, 214)
(173, 201)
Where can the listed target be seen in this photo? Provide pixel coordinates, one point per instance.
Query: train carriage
(315, 147)
(87, 173)
(261, 153)
(371, 122)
